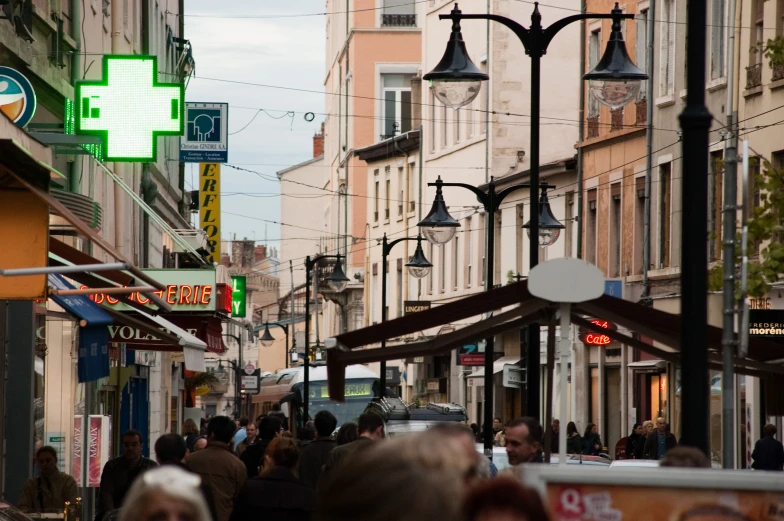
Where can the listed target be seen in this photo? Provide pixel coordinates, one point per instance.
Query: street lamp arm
(309, 263)
(482, 196)
(389, 246)
(521, 32)
(500, 196)
(552, 29)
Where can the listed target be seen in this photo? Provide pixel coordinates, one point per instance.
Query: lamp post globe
(438, 226)
(418, 265)
(456, 80)
(549, 227)
(337, 280)
(615, 81)
(267, 339)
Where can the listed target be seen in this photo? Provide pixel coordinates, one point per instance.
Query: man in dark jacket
(370, 429)
(119, 473)
(314, 454)
(659, 441)
(768, 452)
(253, 456)
(170, 449)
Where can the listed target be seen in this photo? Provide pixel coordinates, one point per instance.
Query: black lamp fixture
(549, 227)
(266, 338)
(456, 80)
(438, 226)
(615, 81)
(337, 280)
(418, 265)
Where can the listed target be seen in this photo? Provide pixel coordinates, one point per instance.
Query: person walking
(524, 441)
(119, 474)
(554, 438)
(592, 442)
(249, 440)
(51, 489)
(659, 441)
(574, 442)
(218, 467)
(241, 434)
(170, 450)
(768, 451)
(166, 493)
(314, 454)
(347, 433)
(253, 456)
(190, 432)
(370, 429)
(635, 442)
(276, 494)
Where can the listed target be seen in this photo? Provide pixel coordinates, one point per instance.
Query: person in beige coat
(49, 491)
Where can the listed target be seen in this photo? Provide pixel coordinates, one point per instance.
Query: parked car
(501, 460)
(649, 463)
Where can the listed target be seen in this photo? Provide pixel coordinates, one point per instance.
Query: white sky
(286, 52)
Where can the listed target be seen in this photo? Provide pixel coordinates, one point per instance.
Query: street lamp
(549, 227)
(418, 266)
(456, 67)
(337, 281)
(267, 339)
(438, 226)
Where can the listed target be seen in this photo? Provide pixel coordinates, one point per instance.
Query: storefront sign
(767, 323)
(434, 385)
(206, 329)
(129, 108)
(470, 355)
(249, 384)
(393, 376)
(17, 97)
(206, 136)
(591, 338)
(415, 306)
(238, 296)
(186, 290)
(210, 208)
(96, 451)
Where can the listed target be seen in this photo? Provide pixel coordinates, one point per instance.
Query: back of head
(588, 430)
(325, 423)
(379, 477)
(244, 422)
(269, 427)
(571, 428)
(535, 431)
(685, 457)
(283, 452)
(221, 428)
(189, 427)
(501, 496)
(369, 422)
(347, 433)
(170, 448)
(167, 482)
(769, 430)
(307, 433)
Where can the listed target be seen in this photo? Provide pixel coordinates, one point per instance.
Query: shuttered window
(667, 72)
(641, 48)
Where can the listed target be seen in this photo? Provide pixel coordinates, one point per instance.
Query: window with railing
(396, 106)
(753, 76)
(398, 14)
(593, 127)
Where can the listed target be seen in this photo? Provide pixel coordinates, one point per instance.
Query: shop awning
(498, 366)
(193, 349)
(88, 312)
(648, 366)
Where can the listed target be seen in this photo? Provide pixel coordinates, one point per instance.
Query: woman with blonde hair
(190, 432)
(166, 493)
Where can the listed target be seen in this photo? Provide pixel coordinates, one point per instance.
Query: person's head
(422, 472)
(308, 432)
(132, 444)
(275, 407)
(287, 434)
(165, 493)
(464, 437)
(46, 457)
(371, 425)
(637, 429)
(347, 433)
(497, 424)
(556, 425)
(589, 429)
(244, 422)
(647, 426)
(281, 452)
(269, 428)
(325, 424)
(769, 430)
(170, 448)
(661, 425)
(189, 427)
(199, 444)
(503, 499)
(221, 428)
(523, 439)
(571, 428)
(688, 457)
(475, 429)
(252, 431)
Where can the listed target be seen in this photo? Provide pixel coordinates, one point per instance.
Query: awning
(648, 366)
(498, 366)
(193, 349)
(88, 312)
(140, 333)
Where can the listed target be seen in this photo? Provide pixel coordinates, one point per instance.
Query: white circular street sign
(249, 369)
(566, 280)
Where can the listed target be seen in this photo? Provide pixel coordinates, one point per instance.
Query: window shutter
(671, 27)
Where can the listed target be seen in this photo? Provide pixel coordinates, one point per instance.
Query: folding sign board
(129, 108)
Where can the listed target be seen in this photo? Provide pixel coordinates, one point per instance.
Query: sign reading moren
(129, 108)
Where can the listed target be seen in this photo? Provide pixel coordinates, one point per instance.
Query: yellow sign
(351, 390)
(209, 207)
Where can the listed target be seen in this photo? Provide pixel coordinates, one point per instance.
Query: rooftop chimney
(318, 143)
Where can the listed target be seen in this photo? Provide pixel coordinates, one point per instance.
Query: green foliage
(773, 50)
(199, 380)
(510, 277)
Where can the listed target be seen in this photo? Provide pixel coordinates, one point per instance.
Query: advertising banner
(93, 362)
(76, 458)
(210, 207)
(206, 138)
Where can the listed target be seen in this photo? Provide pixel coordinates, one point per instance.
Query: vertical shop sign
(97, 448)
(209, 207)
(76, 471)
(238, 296)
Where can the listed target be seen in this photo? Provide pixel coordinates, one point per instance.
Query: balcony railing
(754, 76)
(398, 20)
(778, 71)
(642, 112)
(593, 127)
(616, 119)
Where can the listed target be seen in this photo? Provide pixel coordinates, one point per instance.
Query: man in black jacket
(170, 449)
(253, 456)
(659, 441)
(313, 455)
(768, 452)
(370, 429)
(119, 473)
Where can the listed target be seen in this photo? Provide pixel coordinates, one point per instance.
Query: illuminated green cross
(129, 109)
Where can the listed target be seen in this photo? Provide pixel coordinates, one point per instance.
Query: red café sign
(592, 338)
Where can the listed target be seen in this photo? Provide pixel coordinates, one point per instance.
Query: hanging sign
(17, 97)
(210, 207)
(206, 138)
(592, 338)
(238, 296)
(129, 108)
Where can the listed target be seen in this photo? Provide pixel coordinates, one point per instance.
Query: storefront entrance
(135, 410)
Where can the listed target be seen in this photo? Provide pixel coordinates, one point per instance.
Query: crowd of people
(257, 470)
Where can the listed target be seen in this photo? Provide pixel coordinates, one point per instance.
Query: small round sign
(249, 369)
(17, 97)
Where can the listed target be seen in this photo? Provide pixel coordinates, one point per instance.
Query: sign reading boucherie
(186, 290)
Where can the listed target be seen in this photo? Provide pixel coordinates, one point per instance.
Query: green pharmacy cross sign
(129, 108)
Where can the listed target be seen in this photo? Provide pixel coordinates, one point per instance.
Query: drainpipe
(646, 225)
(405, 210)
(419, 206)
(487, 107)
(580, 137)
(74, 183)
(119, 168)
